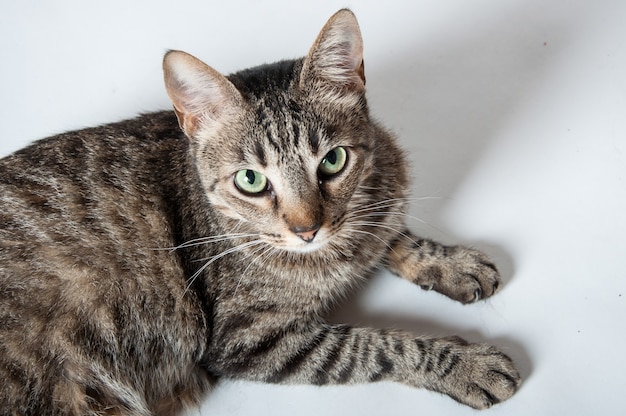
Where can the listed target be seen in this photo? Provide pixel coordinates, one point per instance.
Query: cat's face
(285, 149)
(288, 177)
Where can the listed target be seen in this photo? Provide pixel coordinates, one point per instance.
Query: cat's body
(139, 264)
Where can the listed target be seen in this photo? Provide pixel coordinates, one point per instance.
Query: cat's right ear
(201, 96)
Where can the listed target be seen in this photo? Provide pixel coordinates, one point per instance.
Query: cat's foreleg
(461, 273)
(474, 374)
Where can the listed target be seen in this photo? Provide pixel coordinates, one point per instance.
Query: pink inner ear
(199, 93)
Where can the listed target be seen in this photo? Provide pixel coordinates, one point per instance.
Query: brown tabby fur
(134, 273)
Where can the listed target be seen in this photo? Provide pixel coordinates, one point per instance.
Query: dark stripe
(296, 134)
(321, 377)
(237, 321)
(241, 154)
(346, 372)
(385, 364)
(264, 306)
(295, 109)
(271, 141)
(399, 347)
(396, 239)
(265, 345)
(213, 185)
(242, 357)
(418, 244)
(377, 376)
(314, 140)
(424, 352)
(260, 154)
(443, 355)
(429, 364)
(451, 364)
(295, 361)
(432, 248)
(365, 352)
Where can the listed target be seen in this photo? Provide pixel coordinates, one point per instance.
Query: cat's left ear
(202, 97)
(334, 66)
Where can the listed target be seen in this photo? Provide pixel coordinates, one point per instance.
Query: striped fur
(134, 272)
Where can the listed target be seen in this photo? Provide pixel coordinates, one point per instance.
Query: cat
(143, 260)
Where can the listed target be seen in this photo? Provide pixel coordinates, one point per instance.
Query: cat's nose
(306, 233)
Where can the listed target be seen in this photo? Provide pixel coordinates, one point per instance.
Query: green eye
(250, 181)
(334, 161)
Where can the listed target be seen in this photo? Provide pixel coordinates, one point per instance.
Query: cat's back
(93, 201)
(73, 177)
(86, 188)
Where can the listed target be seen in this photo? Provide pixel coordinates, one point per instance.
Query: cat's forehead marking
(259, 152)
(281, 128)
(288, 129)
(314, 140)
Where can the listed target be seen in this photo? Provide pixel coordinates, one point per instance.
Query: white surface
(514, 114)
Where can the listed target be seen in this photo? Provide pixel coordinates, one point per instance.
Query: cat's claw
(477, 294)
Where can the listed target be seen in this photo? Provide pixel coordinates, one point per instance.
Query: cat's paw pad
(481, 377)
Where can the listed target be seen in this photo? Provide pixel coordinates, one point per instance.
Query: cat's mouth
(295, 244)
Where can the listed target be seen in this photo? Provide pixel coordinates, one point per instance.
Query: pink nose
(306, 234)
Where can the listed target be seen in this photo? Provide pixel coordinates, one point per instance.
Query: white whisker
(209, 240)
(388, 203)
(387, 227)
(359, 231)
(264, 250)
(212, 259)
(387, 213)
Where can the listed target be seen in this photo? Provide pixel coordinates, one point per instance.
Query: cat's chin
(302, 247)
(307, 247)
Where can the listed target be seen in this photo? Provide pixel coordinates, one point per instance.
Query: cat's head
(288, 148)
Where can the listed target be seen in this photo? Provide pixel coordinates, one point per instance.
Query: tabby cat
(141, 261)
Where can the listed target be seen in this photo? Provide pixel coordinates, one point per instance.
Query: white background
(514, 117)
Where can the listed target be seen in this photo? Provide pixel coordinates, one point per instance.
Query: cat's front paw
(465, 275)
(481, 376)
